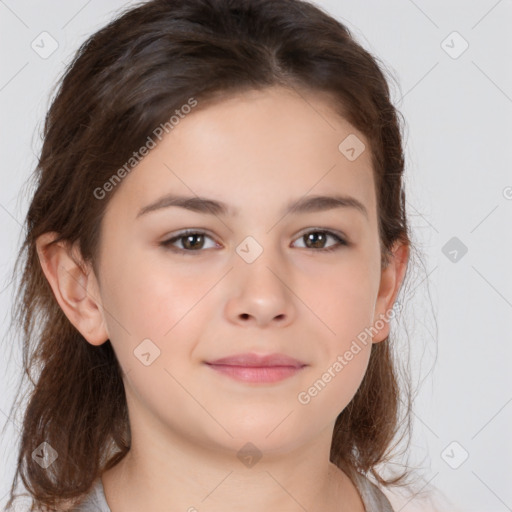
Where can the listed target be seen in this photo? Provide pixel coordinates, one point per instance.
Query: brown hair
(124, 81)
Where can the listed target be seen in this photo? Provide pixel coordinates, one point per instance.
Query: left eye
(193, 241)
(320, 236)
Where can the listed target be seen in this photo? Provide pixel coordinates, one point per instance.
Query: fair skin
(255, 151)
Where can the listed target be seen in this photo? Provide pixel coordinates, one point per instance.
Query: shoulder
(94, 501)
(373, 498)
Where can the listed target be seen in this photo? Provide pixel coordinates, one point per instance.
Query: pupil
(316, 236)
(192, 245)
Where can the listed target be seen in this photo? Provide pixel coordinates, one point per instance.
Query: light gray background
(459, 183)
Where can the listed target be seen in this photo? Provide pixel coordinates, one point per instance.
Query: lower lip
(257, 374)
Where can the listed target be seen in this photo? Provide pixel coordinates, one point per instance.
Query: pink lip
(256, 368)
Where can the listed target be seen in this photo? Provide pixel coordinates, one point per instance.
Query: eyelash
(168, 243)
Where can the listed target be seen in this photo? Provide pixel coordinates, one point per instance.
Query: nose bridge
(259, 260)
(260, 288)
(253, 246)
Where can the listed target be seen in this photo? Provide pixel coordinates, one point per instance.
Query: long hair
(124, 81)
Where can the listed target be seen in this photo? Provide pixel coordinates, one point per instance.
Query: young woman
(212, 256)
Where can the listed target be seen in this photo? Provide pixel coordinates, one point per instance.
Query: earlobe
(392, 277)
(74, 286)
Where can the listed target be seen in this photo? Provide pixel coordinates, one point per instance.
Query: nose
(260, 293)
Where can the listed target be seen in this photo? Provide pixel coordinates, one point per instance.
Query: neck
(152, 478)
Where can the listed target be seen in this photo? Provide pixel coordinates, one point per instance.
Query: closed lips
(258, 361)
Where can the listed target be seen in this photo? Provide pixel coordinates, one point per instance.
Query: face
(250, 277)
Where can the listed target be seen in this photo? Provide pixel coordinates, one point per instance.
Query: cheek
(149, 298)
(344, 299)
(328, 392)
(345, 303)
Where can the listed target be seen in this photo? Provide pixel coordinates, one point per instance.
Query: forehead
(257, 149)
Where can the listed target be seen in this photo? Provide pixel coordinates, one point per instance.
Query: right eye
(192, 241)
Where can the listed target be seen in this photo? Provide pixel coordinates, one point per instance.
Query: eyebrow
(204, 205)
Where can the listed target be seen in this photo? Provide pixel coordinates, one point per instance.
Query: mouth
(254, 368)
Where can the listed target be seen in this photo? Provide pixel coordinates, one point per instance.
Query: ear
(392, 276)
(74, 285)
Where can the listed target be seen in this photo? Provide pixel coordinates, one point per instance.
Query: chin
(267, 436)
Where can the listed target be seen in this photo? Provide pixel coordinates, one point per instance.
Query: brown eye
(191, 241)
(194, 241)
(317, 239)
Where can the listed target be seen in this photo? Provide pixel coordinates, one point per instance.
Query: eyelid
(329, 231)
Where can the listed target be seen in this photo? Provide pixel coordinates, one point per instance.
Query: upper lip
(258, 360)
